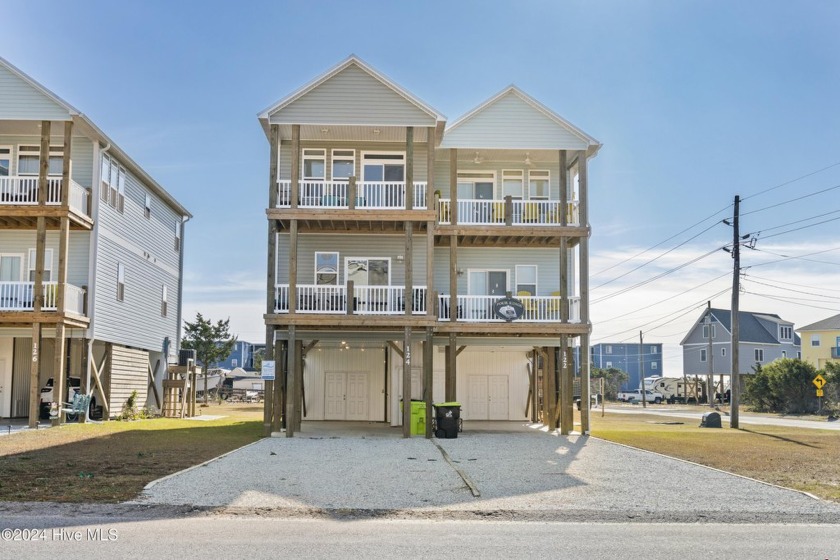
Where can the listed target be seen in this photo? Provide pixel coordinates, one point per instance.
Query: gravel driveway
(526, 473)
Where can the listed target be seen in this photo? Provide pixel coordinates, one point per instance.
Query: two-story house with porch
(394, 241)
(91, 258)
(763, 338)
(822, 341)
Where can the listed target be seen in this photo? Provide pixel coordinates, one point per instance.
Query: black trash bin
(447, 420)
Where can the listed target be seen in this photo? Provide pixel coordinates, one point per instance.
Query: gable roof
(829, 324)
(750, 329)
(351, 61)
(87, 126)
(556, 132)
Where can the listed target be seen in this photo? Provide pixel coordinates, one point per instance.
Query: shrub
(785, 385)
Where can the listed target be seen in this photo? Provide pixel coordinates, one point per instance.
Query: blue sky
(694, 102)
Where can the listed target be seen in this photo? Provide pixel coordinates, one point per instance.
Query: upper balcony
(19, 201)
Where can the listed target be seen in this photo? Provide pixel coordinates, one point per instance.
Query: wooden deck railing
(23, 191)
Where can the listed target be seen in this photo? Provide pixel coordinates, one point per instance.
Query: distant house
(822, 341)
(242, 356)
(625, 357)
(763, 338)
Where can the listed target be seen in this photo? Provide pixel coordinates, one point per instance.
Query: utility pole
(734, 381)
(710, 356)
(642, 372)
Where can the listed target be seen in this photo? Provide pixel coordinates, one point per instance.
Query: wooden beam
(34, 377)
(409, 167)
(95, 371)
(460, 349)
(428, 377)
(453, 279)
(298, 415)
(59, 370)
(308, 347)
(152, 384)
(564, 188)
(395, 348)
(451, 369)
(65, 170)
(269, 388)
(430, 168)
(583, 252)
(408, 298)
(453, 186)
(294, 191)
(551, 396)
(293, 262)
(291, 392)
(406, 384)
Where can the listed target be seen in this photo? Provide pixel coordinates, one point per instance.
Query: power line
(798, 257)
(797, 199)
(765, 191)
(783, 300)
(752, 279)
(793, 284)
(800, 228)
(759, 232)
(657, 277)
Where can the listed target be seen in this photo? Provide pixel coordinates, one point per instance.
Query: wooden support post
(564, 189)
(65, 170)
(409, 167)
(291, 391)
(428, 377)
(298, 384)
(451, 370)
(508, 210)
(351, 193)
(535, 359)
(277, 395)
(153, 384)
(583, 251)
(431, 226)
(294, 190)
(34, 377)
(551, 398)
(453, 278)
(272, 296)
(566, 388)
(406, 384)
(430, 169)
(59, 371)
(408, 298)
(453, 186)
(97, 379)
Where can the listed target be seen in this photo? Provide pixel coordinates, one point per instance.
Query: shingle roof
(831, 323)
(750, 328)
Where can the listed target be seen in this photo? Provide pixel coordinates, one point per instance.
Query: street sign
(267, 370)
(819, 381)
(819, 392)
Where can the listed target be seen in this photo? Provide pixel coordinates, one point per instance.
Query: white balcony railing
(23, 191)
(523, 212)
(367, 300)
(479, 309)
(370, 195)
(20, 296)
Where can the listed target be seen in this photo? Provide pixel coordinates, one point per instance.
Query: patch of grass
(799, 458)
(113, 461)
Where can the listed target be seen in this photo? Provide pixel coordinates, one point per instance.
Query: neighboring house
(392, 235)
(625, 356)
(821, 341)
(91, 257)
(764, 337)
(242, 356)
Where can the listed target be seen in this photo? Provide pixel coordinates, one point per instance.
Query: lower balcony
(19, 296)
(390, 300)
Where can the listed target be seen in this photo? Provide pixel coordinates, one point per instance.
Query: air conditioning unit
(184, 355)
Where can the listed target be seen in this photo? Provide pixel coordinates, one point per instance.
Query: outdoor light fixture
(477, 159)
(400, 259)
(527, 158)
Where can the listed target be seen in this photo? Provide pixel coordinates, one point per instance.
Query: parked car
(636, 396)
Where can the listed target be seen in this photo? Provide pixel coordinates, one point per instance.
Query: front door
(5, 388)
(477, 397)
(382, 177)
(346, 396)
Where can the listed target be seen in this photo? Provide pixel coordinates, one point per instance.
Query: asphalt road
(663, 410)
(207, 536)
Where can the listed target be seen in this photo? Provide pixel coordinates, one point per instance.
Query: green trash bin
(418, 417)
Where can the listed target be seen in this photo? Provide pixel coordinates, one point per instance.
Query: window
(538, 184)
(723, 352)
(608, 365)
(343, 164)
(706, 331)
(784, 353)
(512, 182)
(654, 350)
(368, 271)
(5, 161)
(163, 300)
(120, 282)
(702, 354)
(526, 280)
(608, 349)
(148, 208)
(476, 185)
(759, 355)
(112, 189)
(314, 165)
(326, 269)
(48, 257)
(815, 340)
(234, 362)
(799, 355)
(29, 158)
(785, 333)
(10, 268)
(654, 365)
(177, 236)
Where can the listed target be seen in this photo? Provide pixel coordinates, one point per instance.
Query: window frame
(815, 338)
(547, 179)
(147, 208)
(177, 237)
(703, 357)
(31, 257)
(164, 300)
(334, 157)
(316, 154)
(759, 354)
(337, 268)
(21, 268)
(120, 282)
(510, 174)
(785, 329)
(28, 151)
(517, 283)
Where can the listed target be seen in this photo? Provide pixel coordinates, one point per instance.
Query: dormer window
(785, 333)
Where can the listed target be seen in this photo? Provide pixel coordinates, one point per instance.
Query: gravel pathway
(528, 473)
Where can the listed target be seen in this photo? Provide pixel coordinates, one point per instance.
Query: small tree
(785, 385)
(613, 378)
(831, 390)
(212, 342)
(259, 355)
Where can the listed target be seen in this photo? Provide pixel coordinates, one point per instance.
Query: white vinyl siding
(20, 101)
(353, 96)
(512, 123)
(48, 265)
(285, 160)
(21, 241)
